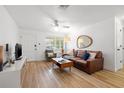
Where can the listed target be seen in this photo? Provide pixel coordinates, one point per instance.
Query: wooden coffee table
(62, 63)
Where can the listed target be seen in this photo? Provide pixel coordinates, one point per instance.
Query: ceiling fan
(58, 23)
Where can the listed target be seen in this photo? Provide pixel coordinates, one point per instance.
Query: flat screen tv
(18, 51)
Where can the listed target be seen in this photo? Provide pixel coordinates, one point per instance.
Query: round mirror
(84, 41)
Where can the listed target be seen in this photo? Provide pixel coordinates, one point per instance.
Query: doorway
(119, 52)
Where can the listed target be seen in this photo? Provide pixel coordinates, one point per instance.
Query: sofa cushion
(81, 64)
(92, 55)
(81, 61)
(50, 54)
(80, 53)
(98, 53)
(68, 57)
(75, 58)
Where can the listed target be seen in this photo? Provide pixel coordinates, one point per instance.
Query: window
(55, 43)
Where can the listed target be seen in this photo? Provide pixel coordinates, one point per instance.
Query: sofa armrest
(94, 61)
(95, 64)
(65, 54)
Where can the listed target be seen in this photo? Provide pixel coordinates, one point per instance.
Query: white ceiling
(40, 17)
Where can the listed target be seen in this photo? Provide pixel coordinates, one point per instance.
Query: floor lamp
(66, 41)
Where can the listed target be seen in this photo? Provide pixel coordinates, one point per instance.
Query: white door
(28, 42)
(119, 51)
(123, 44)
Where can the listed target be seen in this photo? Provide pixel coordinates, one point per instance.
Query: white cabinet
(10, 77)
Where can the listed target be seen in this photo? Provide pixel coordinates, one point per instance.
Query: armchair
(49, 54)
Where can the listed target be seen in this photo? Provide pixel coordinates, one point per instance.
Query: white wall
(102, 34)
(8, 30)
(39, 36)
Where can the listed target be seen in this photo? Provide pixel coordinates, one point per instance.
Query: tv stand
(10, 77)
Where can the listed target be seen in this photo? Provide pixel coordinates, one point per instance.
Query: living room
(61, 28)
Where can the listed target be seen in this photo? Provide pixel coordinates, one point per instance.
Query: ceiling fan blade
(49, 16)
(56, 23)
(66, 26)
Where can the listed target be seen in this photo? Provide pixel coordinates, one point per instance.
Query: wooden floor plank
(42, 75)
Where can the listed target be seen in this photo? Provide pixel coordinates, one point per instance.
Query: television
(18, 51)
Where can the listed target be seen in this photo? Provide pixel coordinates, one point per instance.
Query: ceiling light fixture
(56, 28)
(63, 6)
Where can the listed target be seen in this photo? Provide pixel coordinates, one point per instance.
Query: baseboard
(109, 70)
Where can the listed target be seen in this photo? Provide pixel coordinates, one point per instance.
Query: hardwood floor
(116, 79)
(41, 75)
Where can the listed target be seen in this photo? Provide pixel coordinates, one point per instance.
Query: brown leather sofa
(91, 65)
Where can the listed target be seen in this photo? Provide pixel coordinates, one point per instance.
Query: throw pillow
(85, 56)
(50, 54)
(80, 53)
(92, 55)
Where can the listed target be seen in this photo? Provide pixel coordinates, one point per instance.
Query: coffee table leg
(61, 69)
(52, 65)
(70, 69)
